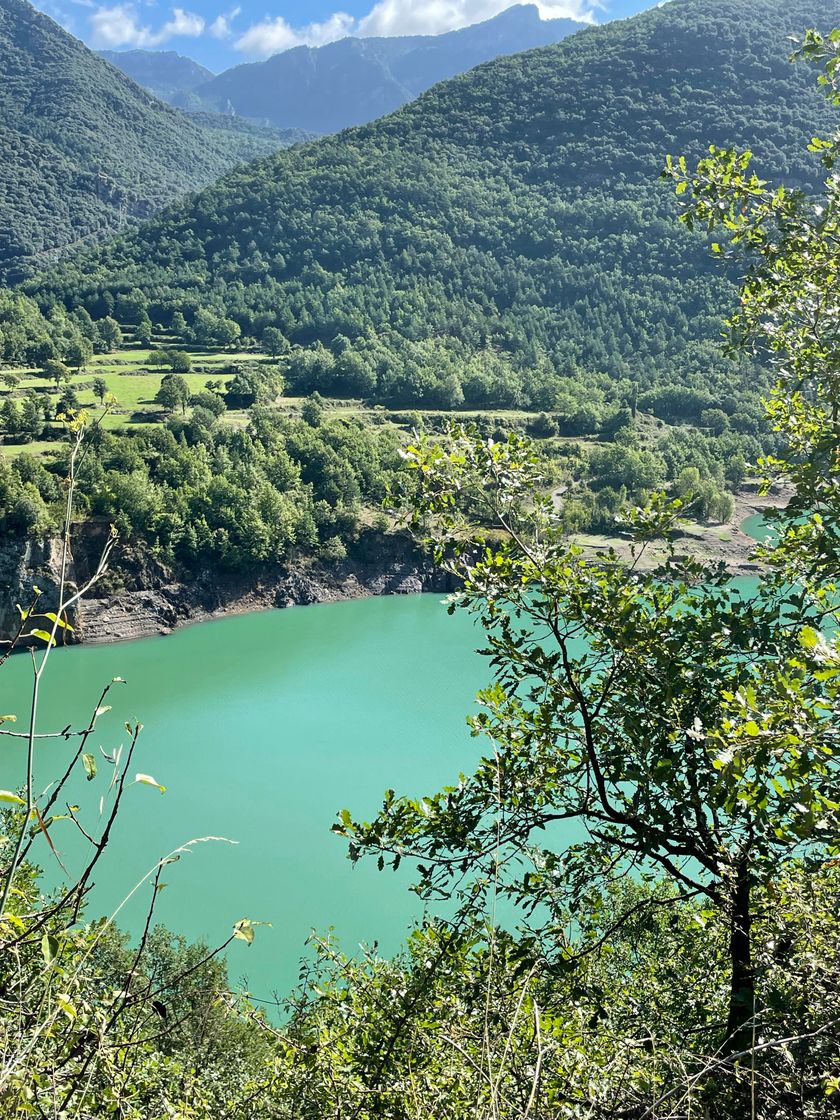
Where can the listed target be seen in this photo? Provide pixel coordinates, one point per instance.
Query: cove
(262, 727)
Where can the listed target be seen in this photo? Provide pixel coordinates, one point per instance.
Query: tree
(178, 361)
(227, 332)
(144, 331)
(10, 417)
(275, 341)
(209, 401)
(174, 392)
(41, 351)
(56, 371)
(79, 352)
(68, 401)
(715, 419)
(100, 389)
(312, 411)
(110, 333)
(181, 329)
(690, 731)
(31, 423)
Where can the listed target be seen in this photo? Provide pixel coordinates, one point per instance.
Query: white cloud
(273, 35)
(220, 27)
(118, 26)
(393, 17)
(433, 17)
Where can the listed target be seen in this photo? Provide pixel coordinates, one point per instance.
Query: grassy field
(133, 384)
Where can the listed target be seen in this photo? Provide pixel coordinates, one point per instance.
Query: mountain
(82, 148)
(505, 238)
(352, 81)
(164, 73)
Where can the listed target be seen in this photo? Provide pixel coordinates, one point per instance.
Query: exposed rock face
(24, 566)
(153, 601)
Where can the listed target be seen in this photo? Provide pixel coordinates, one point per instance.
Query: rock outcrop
(141, 597)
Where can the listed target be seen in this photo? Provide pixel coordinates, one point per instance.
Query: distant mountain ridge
(83, 148)
(165, 73)
(355, 80)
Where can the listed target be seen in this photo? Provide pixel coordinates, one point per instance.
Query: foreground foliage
(642, 872)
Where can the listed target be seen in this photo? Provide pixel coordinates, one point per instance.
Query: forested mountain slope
(505, 238)
(82, 147)
(353, 81)
(164, 73)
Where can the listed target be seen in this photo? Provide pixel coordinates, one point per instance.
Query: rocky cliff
(141, 597)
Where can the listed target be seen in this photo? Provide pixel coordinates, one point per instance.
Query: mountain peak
(355, 80)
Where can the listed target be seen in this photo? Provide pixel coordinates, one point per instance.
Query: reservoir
(262, 727)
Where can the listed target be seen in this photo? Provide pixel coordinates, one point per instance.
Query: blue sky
(221, 33)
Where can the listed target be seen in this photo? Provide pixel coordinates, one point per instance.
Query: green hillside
(515, 209)
(83, 149)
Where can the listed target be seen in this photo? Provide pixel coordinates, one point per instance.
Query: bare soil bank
(153, 602)
(726, 542)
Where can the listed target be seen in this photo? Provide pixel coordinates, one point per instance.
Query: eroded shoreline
(377, 564)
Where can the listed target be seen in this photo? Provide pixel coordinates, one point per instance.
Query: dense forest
(599, 452)
(83, 149)
(504, 240)
(640, 868)
(203, 497)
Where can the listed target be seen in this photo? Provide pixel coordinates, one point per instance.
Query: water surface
(262, 727)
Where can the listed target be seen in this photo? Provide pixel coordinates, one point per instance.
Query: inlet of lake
(262, 727)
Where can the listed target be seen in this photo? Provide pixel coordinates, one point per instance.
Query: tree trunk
(739, 1028)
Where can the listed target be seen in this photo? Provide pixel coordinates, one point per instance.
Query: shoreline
(154, 602)
(377, 564)
(727, 542)
(131, 616)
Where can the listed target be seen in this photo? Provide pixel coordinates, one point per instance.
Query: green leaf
(43, 635)
(11, 798)
(66, 1005)
(58, 621)
(89, 763)
(49, 947)
(809, 637)
(244, 930)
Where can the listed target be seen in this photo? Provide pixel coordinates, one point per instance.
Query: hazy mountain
(352, 81)
(83, 148)
(165, 73)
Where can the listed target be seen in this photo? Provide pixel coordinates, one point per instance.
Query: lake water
(757, 527)
(262, 727)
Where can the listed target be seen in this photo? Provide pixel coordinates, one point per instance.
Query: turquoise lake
(262, 727)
